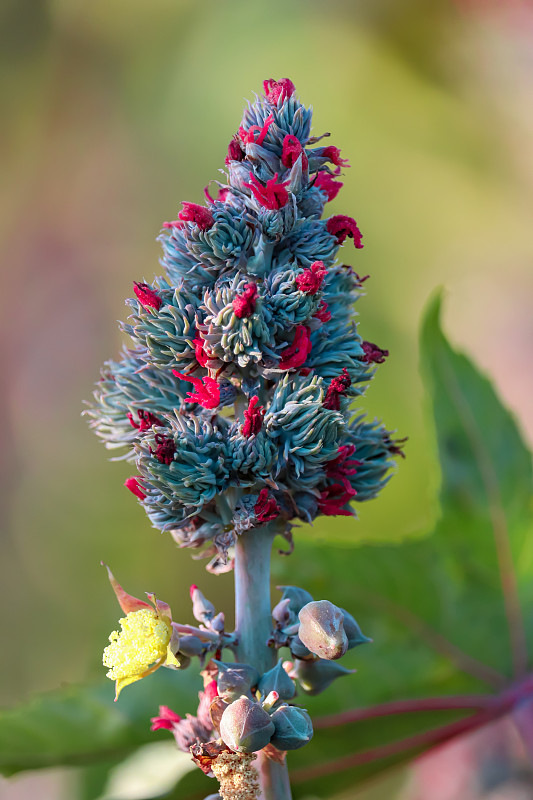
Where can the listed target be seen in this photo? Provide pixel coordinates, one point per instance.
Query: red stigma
(272, 196)
(146, 420)
(211, 691)
(295, 355)
(192, 589)
(235, 152)
(207, 390)
(166, 719)
(275, 89)
(166, 447)
(265, 507)
(323, 314)
(373, 353)
(292, 149)
(337, 387)
(334, 155)
(248, 137)
(244, 303)
(341, 226)
(199, 350)
(146, 295)
(200, 215)
(333, 498)
(343, 465)
(327, 184)
(135, 487)
(311, 279)
(253, 418)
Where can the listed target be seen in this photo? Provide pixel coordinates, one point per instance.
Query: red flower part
(295, 355)
(174, 224)
(265, 507)
(244, 303)
(222, 194)
(207, 392)
(292, 149)
(207, 195)
(323, 314)
(334, 155)
(341, 467)
(211, 691)
(276, 89)
(333, 498)
(146, 420)
(358, 279)
(166, 719)
(192, 588)
(337, 387)
(373, 353)
(272, 196)
(235, 152)
(146, 295)
(311, 279)
(199, 350)
(305, 371)
(166, 447)
(248, 137)
(253, 418)
(341, 226)
(327, 184)
(135, 487)
(200, 215)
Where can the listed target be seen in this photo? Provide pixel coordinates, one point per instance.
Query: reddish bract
(166, 719)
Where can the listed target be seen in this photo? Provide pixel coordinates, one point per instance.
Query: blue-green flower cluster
(234, 401)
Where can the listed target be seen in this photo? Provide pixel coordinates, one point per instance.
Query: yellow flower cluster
(141, 644)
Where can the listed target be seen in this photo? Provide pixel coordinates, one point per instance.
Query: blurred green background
(116, 110)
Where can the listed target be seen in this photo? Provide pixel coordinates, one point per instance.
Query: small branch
(476, 702)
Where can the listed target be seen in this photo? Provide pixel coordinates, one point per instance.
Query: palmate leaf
(445, 612)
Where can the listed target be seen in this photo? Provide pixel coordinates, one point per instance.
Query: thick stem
(253, 628)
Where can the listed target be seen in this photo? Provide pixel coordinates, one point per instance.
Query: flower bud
(190, 646)
(277, 680)
(234, 680)
(245, 727)
(315, 676)
(282, 614)
(353, 631)
(293, 727)
(322, 630)
(298, 597)
(203, 610)
(298, 649)
(218, 622)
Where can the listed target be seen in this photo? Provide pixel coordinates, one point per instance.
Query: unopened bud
(218, 622)
(315, 676)
(203, 610)
(353, 631)
(277, 680)
(298, 648)
(245, 727)
(293, 727)
(234, 680)
(298, 597)
(322, 630)
(190, 646)
(282, 614)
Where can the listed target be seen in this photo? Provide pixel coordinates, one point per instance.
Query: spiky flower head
(235, 400)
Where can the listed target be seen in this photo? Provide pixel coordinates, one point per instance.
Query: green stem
(253, 628)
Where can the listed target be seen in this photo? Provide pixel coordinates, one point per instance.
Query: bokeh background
(114, 111)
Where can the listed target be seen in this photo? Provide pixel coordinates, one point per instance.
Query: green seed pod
(315, 676)
(353, 631)
(293, 727)
(190, 646)
(234, 680)
(277, 680)
(322, 630)
(245, 727)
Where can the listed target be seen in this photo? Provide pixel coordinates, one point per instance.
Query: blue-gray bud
(234, 680)
(190, 646)
(298, 597)
(353, 631)
(298, 649)
(315, 676)
(293, 727)
(246, 727)
(322, 630)
(277, 680)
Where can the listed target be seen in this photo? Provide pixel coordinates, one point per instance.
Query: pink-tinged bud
(281, 613)
(275, 89)
(135, 487)
(295, 355)
(165, 449)
(211, 691)
(292, 149)
(145, 421)
(373, 353)
(341, 227)
(273, 195)
(323, 314)
(266, 507)
(253, 418)
(327, 184)
(245, 727)
(235, 152)
(244, 303)
(200, 215)
(146, 295)
(322, 630)
(337, 387)
(248, 137)
(166, 719)
(207, 390)
(311, 279)
(334, 498)
(334, 155)
(203, 610)
(199, 350)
